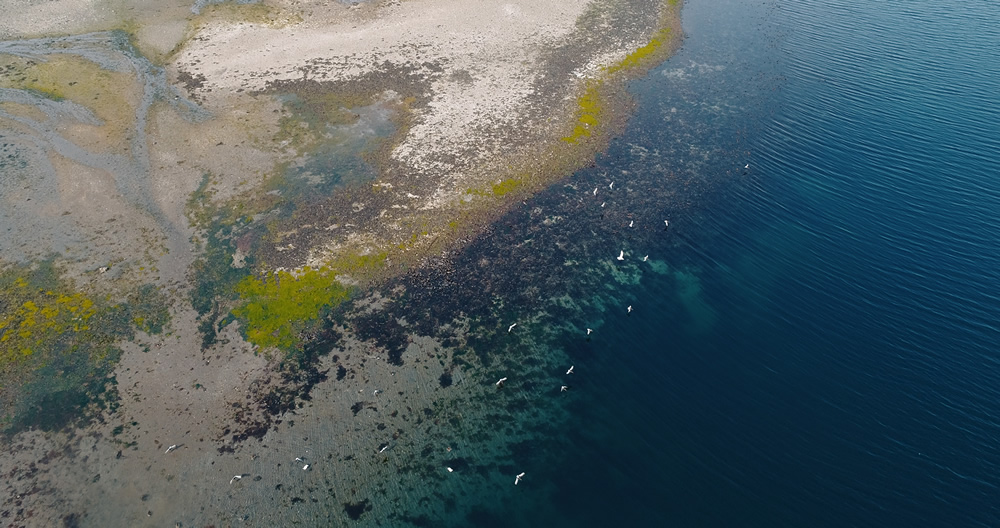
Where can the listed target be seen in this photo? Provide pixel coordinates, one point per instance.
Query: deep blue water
(824, 349)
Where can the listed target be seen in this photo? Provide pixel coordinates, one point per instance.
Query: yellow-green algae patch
(28, 327)
(278, 306)
(589, 104)
(58, 344)
(498, 189)
(231, 277)
(643, 56)
(588, 112)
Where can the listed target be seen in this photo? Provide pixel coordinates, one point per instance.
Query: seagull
(570, 371)
(630, 308)
(563, 388)
(603, 203)
(631, 222)
(386, 446)
(235, 478)
(612, 186)
(511, 327)
(376, 391)
(666, 224)
(589, 331)
(644, 259)
(299, 459)
(621, 256)
(518, 478)
(747, 166)
(501, 380)
(449, 469)
(305, 467)
(595, 191)
(171, 448)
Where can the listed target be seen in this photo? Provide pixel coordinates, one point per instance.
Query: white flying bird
(595, 191)
(630, 308)
(511, 327)
(570, 371)
(644, 259)
(518, 478)
(631, 222)
(666, 224)
(563, 388)
(621, 256)
(235, 478)
(171, 448)
(589, 331)
(612, 186)
(501, 380)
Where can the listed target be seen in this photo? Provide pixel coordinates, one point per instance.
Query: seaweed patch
(59, 345)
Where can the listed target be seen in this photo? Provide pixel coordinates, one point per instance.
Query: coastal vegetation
(590, 104)
(59, 343)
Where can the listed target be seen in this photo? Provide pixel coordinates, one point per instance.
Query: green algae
(59, 344)
(276, 308)
(589, 113)
(498, 190)
(259, 14)
(643, 56)
(505, 187)
(231, 277)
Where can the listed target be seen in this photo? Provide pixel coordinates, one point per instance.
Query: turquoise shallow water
(819, 346)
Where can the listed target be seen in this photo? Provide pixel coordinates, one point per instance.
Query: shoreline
(419, 206)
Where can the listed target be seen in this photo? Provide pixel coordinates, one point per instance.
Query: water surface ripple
(823, 349)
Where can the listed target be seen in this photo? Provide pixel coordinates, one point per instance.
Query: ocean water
(814, 339)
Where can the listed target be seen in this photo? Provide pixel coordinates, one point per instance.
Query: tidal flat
(217, 220)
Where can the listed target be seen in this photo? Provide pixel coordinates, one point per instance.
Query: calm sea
(818, 343)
